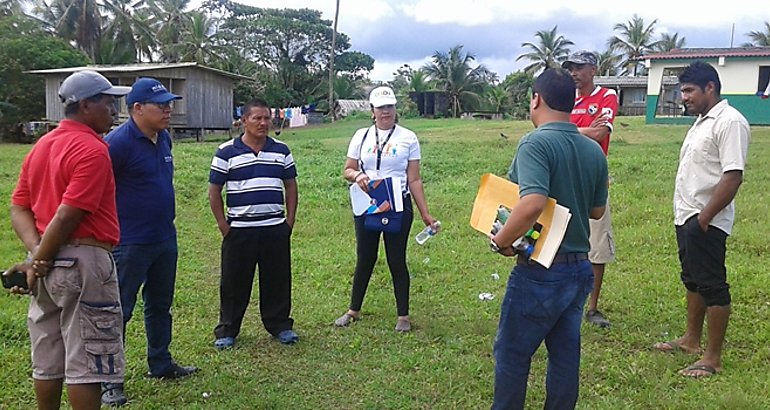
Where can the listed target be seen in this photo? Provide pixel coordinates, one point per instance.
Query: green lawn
(446, 362)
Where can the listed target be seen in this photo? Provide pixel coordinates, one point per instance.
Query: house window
(763, 83)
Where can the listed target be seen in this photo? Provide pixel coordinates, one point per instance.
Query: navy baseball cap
(86, 84)
(149, 90)
(580, 57)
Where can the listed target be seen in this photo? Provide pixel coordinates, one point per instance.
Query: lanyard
(377, 146)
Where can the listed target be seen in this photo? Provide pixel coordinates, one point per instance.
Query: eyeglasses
(168, 106)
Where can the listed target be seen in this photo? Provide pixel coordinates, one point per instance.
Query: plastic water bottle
(427, 233)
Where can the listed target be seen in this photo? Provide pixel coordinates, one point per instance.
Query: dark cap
(149, 90)
(580, 57)
(86, 84)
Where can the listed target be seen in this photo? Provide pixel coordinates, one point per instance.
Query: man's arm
(598, 130)
(290, 185)
(64, 222)
(218, 208)
(523, 217)
(596, 212)
(724, 193)
(23, 222)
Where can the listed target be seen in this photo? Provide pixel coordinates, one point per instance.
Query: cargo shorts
(75, 321)
(601, 239)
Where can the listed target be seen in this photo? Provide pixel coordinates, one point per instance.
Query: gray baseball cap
(580, 57)
(85, 84)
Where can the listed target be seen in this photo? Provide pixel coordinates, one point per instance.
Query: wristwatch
(493, 246)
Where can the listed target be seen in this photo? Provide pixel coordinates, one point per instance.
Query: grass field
(446, 362)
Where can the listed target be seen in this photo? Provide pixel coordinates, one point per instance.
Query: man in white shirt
(711, 164)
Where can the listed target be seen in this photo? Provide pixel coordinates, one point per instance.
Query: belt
(560, 258)
(90, 241)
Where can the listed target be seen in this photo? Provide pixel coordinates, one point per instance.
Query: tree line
(286, 52)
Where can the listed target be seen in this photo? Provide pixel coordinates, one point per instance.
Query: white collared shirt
(716, 143)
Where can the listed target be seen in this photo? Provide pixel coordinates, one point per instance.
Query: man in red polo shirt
(594, 113)
(63, 210)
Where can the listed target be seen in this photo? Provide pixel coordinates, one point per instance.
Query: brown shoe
(345, 320)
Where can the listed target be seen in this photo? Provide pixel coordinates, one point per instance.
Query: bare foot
(676, 346)
(699, 370)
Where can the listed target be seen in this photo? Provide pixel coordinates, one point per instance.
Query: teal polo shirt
(557, 161)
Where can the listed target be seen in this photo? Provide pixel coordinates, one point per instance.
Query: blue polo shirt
(253, 181)
(144, 181)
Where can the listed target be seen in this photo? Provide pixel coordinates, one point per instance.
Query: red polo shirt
(70, 165)
(602, 101)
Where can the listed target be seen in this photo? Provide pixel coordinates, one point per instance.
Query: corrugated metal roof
(630, 81)
(346, 107)
(129, 68)
(682, 53)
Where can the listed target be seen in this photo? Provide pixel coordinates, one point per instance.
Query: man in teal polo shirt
(147, 254)
(543, 304)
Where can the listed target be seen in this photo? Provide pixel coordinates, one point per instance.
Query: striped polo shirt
(253, 181)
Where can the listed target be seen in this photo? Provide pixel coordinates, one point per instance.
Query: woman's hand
(429, 220)
(362, 180)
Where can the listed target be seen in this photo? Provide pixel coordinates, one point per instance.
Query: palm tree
(419, 81)
(73, 20)
(669, 42)
(759, 38)
(452, 73)
(498, 97)
(196, 42)
(169, 21)
(608, 63)
(633, 41)
(125, 26)
(550, 51)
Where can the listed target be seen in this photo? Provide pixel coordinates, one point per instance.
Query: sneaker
(224, 343)
(113, 394)
(596, 317)
(288, 337)
(174, 371)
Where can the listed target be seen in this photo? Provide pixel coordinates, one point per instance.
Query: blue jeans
(541, 304)
(153, 268)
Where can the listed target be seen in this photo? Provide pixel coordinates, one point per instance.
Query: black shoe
(174, 371)
(113, 394)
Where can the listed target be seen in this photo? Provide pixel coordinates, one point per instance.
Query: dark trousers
(152, 268)
(243, 250)
(367, 247)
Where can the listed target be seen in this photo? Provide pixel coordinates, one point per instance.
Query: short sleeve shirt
(253, 181)
(557, 161)
(716, 143)
(602, 101)
(70, 165)
(397, 151)
(144, 177)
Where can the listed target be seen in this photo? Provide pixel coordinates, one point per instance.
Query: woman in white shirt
(385, 150)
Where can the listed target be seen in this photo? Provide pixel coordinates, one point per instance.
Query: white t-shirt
(401, 148)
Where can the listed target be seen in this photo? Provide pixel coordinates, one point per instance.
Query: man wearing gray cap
(63, 210)
(594, 113)
(146, 258)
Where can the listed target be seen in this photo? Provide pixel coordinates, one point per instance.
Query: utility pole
(331, 63)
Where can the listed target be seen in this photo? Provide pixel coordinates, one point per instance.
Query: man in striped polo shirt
(255, 171)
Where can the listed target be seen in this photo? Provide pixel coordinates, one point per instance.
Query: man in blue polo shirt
(146, 256)
(255, 171)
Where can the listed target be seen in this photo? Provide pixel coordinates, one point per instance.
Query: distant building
(744, 72)
(207, 93)
(343, 108)
(632, 93)
(431, 104)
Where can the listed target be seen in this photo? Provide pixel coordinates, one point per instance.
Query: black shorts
(702, 257)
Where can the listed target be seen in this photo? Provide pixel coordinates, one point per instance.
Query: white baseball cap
(85, 84)
(382, 96)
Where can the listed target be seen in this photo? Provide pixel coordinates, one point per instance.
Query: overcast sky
(395, 32)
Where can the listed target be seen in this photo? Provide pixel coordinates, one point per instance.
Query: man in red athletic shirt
(594, 112)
